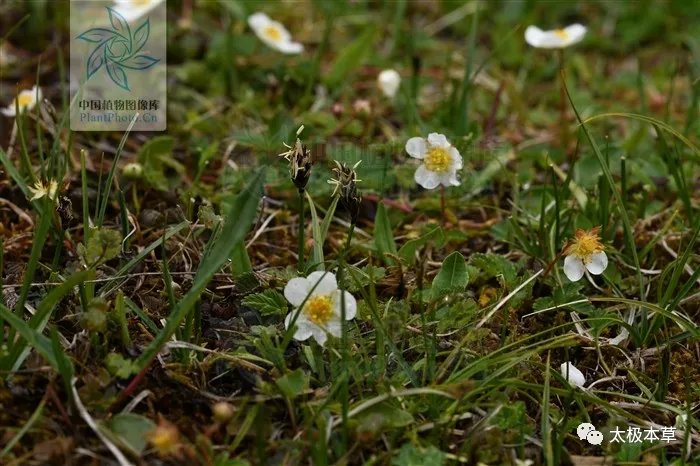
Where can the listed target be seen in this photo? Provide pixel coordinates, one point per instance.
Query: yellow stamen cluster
(437, 159)
(24, 99)
(585, 244)
(562, 34)
(319, 309)
(272, 33)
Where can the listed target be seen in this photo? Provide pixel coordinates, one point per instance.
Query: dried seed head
(345, 186)
(300, 162)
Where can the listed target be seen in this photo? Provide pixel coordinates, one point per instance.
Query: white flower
(389, 82)
(572, 375)
(556, 39)
(440, 161)
(585, 252)
(134, 9)
(273, 33)
(26, 100)
(321, 312)
(40, 190)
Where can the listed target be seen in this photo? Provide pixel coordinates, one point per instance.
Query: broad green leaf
(268, 302)
(407, 252)
(156, 157)
(293, 383)
(103, 245)
(452, 277)
(131, 430)
(237, 222)
(350, 58)
(410, 455)
(385, 416)
(383, 236)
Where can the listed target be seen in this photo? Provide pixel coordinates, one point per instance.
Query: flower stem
(345, 396)
(300, 234)
(442, 204)
(563, 130)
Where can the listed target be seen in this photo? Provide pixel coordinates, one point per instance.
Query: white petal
(554, 39)
(8, 111)
(438, 140)
(303, 326)
(350, 305)
(258, 20)
(327, 283)
(334, 328)
(426, 178)
(575, 33)
(389, 82)
(319, 334)
(572, 375)
(456, 158)
(598, 263)
(533, 36)
(417, 147)
(449, 179)
(573, 268)
(297, 290)
(289, 47)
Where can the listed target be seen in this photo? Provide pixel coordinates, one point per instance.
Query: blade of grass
(238, 221)
(653, 121)
(110, 176)
(40, 235)
(629, 233)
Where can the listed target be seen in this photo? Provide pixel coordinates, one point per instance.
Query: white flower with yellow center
(555, 39)
(134, 9)
(441, 160)
(40, 190)
(585, 252)
(26, 100)
(317, 301)
(273, 33)
(389, 82)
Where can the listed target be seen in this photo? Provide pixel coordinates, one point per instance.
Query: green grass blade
(238, 222)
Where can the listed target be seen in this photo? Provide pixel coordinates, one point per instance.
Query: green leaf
(120, 366)
(494, 266)
(238, 221)
(350, 58)
(268, 302)
(293, 383)
(383, 417)
(131, 429)
(240, 261)
(103, 245)
(34, 339)
(43, 312)
(383, 236)
(408, 250)
(156, 157)
(452, 277)
(410, 455)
